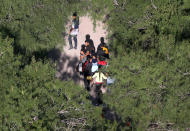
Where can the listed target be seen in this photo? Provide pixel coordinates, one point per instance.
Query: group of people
(91, 64)
(91, 60)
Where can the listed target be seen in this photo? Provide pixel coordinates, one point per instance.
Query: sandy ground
(70, 58)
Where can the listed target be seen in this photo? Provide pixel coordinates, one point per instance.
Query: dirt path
(70, 58)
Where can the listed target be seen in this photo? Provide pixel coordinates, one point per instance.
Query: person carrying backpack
(102, 49)
(74, 31)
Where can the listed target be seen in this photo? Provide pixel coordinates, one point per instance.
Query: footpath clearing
(70, 58)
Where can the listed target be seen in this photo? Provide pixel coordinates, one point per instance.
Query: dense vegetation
(150, 47)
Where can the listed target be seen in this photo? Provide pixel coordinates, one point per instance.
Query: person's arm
(94, 77)
(71, 30)
(72, 27)
(104, 76)
(87, 53)
(81, 57)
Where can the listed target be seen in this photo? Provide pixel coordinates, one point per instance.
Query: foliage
(151, 64)
(32, 99)
(35, 25)
(149, 42)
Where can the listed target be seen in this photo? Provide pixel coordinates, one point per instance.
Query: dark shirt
(88, 68)
(101, 45)
(87, 48)
(90, 49)
(76, 23)
(91, 43)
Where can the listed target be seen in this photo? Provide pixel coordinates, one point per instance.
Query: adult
(102, 49)
(87, 72)
(91, 43)
(83, 59)
(102, 60)
(87, 48)
(94, 64)
(74, 31)
(83, 56)
(98, 79)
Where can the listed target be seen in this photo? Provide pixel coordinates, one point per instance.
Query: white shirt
(99, 77)
(94, 67)
(74, 31)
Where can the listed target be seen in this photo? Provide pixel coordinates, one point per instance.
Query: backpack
(103, 63)
(105, 49)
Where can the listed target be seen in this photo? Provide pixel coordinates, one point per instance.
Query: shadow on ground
(66, 68)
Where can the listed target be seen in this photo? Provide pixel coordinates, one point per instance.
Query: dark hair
(82, 47)
(94, 54)
(102, 39)
(89, 57)
(87, 37)
(75, 14)
(99, 67)
(87, 41)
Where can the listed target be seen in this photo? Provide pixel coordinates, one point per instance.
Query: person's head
(102, 39)
(94, 60)
(99, 67)
(74, 15)
(86, 42)
(82, 47)
(87, 37)
(82, 52)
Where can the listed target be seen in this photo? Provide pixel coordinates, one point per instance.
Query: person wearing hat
(74, 31)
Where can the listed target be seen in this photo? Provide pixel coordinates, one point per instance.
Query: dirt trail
(70, 58)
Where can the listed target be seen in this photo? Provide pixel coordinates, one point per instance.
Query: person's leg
(85, 81)
(98, 94)
(86, 84)
(98, 87)
(70, 41)
(75, 40)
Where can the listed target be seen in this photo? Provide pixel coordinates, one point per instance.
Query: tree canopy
(149, 42)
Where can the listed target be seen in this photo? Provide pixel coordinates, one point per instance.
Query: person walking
(87, 48)
(74, 31)
(98, 79)
(94, 64)
(102, 49)
(87, 73)
(91, 43)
